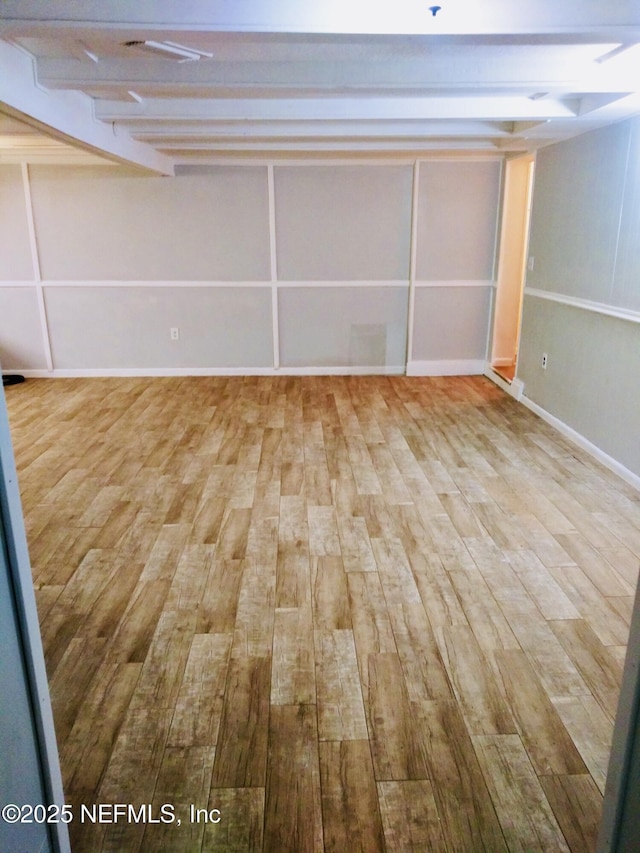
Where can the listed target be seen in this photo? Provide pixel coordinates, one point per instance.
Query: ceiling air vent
(169, 50)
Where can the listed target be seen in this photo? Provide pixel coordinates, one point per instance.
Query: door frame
(512, 256)
(29, 639)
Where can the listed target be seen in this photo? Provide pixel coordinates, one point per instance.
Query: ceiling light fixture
(169, 50)
(434, 10)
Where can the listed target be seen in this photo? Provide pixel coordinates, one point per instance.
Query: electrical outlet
(530, 262)
(175, 333)
(545, 359)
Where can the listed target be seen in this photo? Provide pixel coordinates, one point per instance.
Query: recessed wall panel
(104, 223)
(337, 223)
(129, 327)
(15, 251)
(450, 323)
(626, 282)
(21, 341)
(575, 216)
(591, 379)
(457, 220)
(343, 326)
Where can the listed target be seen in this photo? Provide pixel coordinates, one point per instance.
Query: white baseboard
(380, 370)
(97, 372)
(515, 388)
(454, 367)
(584, 443)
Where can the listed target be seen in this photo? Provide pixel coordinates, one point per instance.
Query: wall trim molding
(400, 282)
(150, 283)
(585, 304)
(447, 367)
(21, 283)
(577, 438)
(471, 282)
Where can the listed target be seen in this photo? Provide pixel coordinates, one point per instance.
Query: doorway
(512, 260)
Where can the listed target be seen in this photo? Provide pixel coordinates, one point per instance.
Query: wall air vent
(169, 50)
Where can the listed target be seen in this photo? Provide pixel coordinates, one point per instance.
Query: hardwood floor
(349, 613)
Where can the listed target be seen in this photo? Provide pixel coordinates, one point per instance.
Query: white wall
(15, 252)
(343, 223)
(101, 224)
(340, 267)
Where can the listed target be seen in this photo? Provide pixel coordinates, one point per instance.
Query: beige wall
(582, 302)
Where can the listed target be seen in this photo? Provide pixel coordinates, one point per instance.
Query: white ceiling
(330, 77)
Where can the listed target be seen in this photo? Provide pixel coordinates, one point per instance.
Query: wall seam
(620, 217)
(35, 260)
(413, 253)
(273, 266)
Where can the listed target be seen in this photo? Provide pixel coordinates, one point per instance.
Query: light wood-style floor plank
(379, 613)
(329, 594)
(237, 824)
(340, 701)
(577, 805)
(184, 780)
(548, 744)
(350, 808)
(198, 706)
(241, 756)
(409, 817)
(525, 815)
(591, 730)
(396, 742)
(293, 817)
(292, 670)
(601, 670)
(90, 742)
(462, 797)
(484, 708)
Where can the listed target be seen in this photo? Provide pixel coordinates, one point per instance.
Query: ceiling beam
(344, 147)
(208, 112)
(161, 135)
(68, 115)
(467, 67)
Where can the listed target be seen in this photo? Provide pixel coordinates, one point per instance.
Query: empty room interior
(319, 440)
